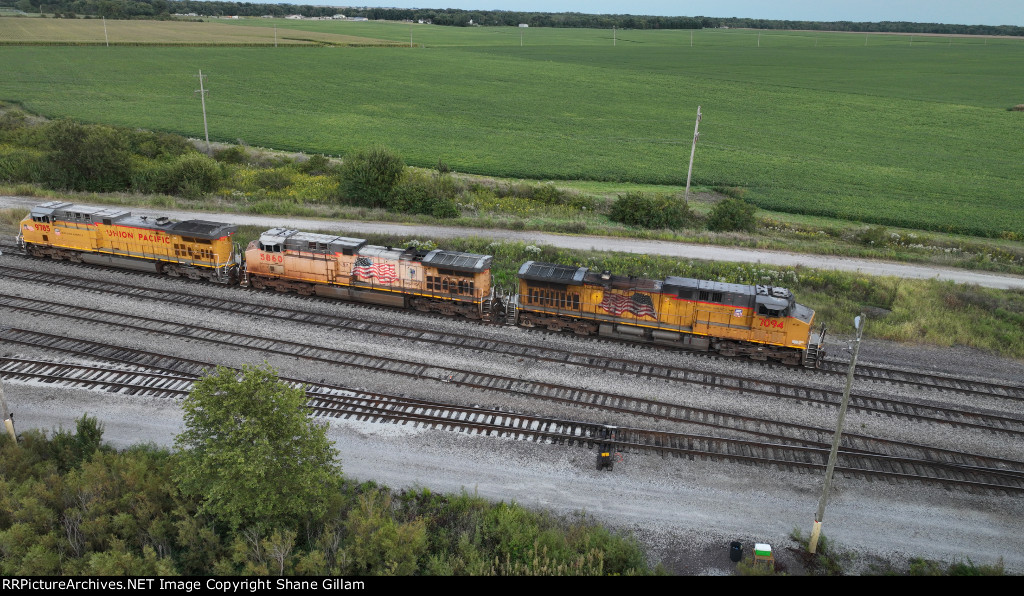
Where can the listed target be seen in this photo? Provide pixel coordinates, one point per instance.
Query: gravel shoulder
(629, 245)
(684, 511)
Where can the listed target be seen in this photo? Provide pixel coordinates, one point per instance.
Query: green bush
(156, 144)
(233, 155)
(369, 176)
(191, 175)
(274, 179)
(150, 176)
(21, 165)
(426, 194)
(195, 175)
(15, 128)
(87, 157)
(316, 164)
(651, 211)
(732, 215)
(548, 194)
(873, 236)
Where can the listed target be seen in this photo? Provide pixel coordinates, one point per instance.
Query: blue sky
(962, 12)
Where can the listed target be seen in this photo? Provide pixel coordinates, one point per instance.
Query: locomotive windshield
(773, 302)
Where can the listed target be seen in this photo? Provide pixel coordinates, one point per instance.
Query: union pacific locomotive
(103, 236)
(438, 280)
(759, 322)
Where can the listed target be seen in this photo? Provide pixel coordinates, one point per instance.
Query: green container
(763, 550)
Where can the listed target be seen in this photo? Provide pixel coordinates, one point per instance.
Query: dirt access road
(630, 245)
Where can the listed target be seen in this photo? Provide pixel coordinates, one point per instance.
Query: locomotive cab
(773, 302)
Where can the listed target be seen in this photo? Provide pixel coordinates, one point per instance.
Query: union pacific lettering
(143, 237)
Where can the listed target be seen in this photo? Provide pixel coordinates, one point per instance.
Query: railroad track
(930, 380)
(776, 431)
(334, 401)
(941, 415)
(874, 373)
(324, 399)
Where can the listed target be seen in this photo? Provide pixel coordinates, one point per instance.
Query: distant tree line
(164, 9)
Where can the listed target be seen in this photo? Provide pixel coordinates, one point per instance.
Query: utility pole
(275, 35)
(758, 39)
(7, 415)
(410, 36)
(105, 31)
(613, 36)
(691, 38)
(693, 149)
(812, 546)
(202, 95)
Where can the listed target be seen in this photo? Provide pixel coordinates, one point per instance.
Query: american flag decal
(640, 305)
(365, 269)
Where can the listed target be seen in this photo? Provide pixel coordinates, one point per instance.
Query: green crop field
(889, 129)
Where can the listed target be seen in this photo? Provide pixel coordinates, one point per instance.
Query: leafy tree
(380, 545)
(732, 214)
(93, 157)
(251, 454)
(369, 176)
(119, 560)
(70, 450)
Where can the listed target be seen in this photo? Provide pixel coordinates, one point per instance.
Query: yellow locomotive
(760, 322)
(441, 281)
(114, 237)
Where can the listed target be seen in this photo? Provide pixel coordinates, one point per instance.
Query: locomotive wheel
(583, 329)
(525, 321)
(259, 283)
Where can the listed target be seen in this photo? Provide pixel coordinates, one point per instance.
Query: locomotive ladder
(815, 351)
(486, 306)
(511, 311)
(811, 357)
